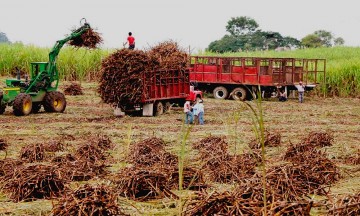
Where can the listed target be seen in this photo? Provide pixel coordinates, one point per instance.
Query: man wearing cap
(301, 90)
(200, 111)
(188, 113)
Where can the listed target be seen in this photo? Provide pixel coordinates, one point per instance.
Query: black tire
(2, 109)
(158, 108)
(239, 94)
(220, 92)
(22, 105)
(36, 107)
(54, 102)
(167, 107)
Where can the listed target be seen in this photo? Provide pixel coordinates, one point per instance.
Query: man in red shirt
(131, 41)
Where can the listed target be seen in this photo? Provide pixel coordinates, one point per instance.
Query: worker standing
(301, 90)
(131, 41)
(200, 112)
(188, 113)
(195, 112)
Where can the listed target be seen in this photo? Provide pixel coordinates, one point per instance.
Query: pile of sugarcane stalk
(88, 200)
(73, 89)
(34, 182)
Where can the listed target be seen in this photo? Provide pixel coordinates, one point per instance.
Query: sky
(193, 24)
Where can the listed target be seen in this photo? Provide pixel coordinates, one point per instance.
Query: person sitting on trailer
(188, 113)
(282, 95)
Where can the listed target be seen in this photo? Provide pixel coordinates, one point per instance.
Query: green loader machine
(28, 95)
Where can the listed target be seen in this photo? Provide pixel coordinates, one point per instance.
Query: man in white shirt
(200, 111)
(301, 90)
(188, 113)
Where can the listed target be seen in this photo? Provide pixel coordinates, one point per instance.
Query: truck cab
(194, 94)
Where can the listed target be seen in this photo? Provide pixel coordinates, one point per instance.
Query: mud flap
(148, 109)
(118, 112)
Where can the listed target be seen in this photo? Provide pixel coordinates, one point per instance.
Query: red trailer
(239, 77)
(160, 91)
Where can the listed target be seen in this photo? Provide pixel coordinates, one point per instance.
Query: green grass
(72, 63)
(342, 63)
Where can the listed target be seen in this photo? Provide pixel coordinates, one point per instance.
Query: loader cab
(37, 67)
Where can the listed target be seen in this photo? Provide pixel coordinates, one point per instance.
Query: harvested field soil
(88, 200)
(87, 116)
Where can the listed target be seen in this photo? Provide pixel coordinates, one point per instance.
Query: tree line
(4, 38)
(244, 34)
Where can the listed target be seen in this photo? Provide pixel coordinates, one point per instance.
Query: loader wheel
(158, 108)
(54, 102)
(2, 109)
(22, 104)
(36, 107)
(239, 94)
(220, 92)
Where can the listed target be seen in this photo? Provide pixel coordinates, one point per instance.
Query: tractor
(28, 95)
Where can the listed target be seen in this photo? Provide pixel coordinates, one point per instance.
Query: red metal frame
(256, 71)
(165, 84)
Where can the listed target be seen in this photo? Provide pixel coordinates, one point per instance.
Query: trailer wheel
(167, 107)
(22, 104)
(158, 108)
(239, 94)
(220, 92)
(36, 107)
(54, 102)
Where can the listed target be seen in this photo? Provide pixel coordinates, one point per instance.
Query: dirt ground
(86, 116)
